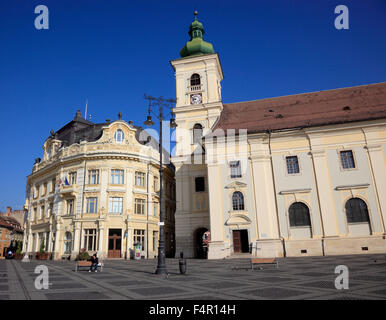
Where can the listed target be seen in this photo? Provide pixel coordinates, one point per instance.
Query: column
(379, 175)
(324, 187)
(100, 238)
(58, 237)
(216, 245)
(76, 241)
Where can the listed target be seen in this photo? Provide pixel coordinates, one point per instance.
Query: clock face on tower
(195, 99)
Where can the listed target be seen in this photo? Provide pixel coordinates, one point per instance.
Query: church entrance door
(240, 241)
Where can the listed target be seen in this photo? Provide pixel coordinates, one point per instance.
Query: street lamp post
(160, 103)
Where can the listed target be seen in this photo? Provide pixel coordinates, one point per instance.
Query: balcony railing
(195, 88)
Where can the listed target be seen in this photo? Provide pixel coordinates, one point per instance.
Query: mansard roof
(367, 102)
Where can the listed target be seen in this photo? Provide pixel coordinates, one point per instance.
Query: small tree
(18, 250)
(42, 247)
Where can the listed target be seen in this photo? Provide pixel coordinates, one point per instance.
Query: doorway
(115, 241)
(240, 241)
(200, 249)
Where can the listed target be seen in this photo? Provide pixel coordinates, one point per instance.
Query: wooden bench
(86, 264)
(261, 261)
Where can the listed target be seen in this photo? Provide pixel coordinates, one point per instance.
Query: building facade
(97, 189)
(11, 232)
(288, 176)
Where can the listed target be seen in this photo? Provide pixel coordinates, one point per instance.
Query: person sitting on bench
(94, 263)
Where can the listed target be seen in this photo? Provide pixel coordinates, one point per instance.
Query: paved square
(310, 278)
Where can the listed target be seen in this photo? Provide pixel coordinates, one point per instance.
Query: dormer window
(119, 136)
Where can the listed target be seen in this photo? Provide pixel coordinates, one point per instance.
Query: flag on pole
(66, 183)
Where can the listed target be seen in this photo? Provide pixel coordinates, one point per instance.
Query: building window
(116, 176)
(53, 183)
(155, 209)
(195, 80)
(42, 209)
(155, 186)
(70, 206)
(92, 205)
(93, 176)
(90, 239)
(347, 159)
(199, 184)
(119, 136)
(72, 176)
(139, 238)
(299, 215)
(67, 242)
(235, 169)
(292, 164)
(116, 205)
(155, 239)
(139, 179)
(356, 211)
(44, 189)
(51, 210)
(197, 133)
(238, 201)
(139, 206)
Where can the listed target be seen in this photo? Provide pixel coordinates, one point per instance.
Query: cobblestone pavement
(229, 279)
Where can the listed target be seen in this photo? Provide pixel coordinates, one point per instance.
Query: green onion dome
(196, 45)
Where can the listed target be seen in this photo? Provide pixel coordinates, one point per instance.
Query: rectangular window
(90, 239)
(72, 178)
(92, 205)
(44, 189)
(139, 238)
(235, 169)
(155, 239)
(139, 206)
(155, 209)
(116, 176)
(41, 212)
(292, 164)
(70, 206)
(116, 205)
(347, 159)
(200, 184)
(37, 189)
(155, 186)
(139, 179)
(53, 183)
(93, 176)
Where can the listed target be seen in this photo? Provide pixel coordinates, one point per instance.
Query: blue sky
(112, 52)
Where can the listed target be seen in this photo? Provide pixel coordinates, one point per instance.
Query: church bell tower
(198, 88)
(198, 76)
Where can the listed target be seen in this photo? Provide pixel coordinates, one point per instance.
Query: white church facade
(289, 176)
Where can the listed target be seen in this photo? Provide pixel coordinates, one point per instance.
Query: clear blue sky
(112, 52)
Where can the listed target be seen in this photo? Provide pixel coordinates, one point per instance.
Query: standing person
(94, 263)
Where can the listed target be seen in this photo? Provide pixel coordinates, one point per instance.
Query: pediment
(238, 219)
(236, 185)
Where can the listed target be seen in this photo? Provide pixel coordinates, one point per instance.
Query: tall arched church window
(238, 201)
(356, 211)
(299, 215)
(358, 220)
(197, 133)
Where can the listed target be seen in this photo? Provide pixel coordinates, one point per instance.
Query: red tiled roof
(336, 106)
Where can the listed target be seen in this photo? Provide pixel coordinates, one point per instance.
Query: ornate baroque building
(287, 176)
(97, 188)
